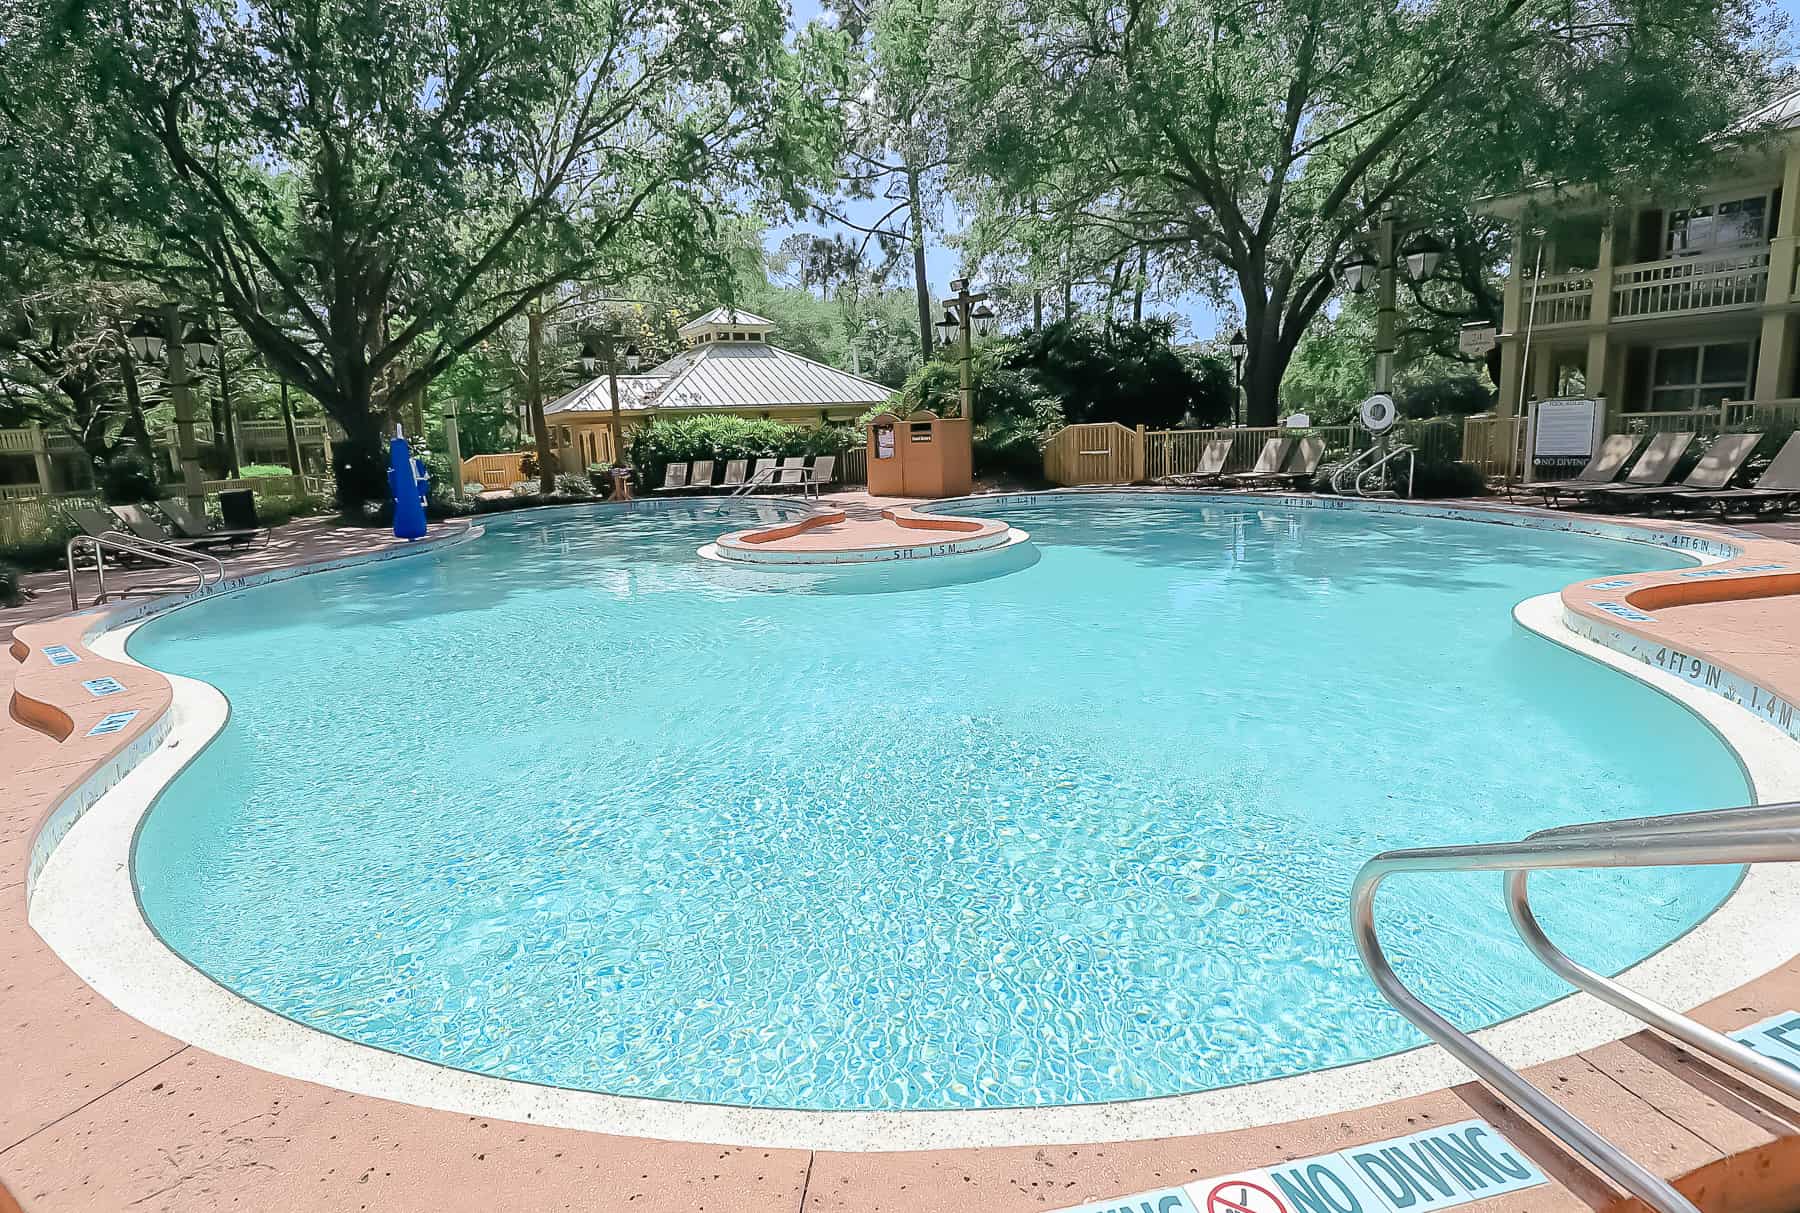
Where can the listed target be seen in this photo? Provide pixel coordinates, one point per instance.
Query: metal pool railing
(1759, 834)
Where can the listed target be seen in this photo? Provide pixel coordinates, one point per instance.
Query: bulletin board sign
(1566, 429)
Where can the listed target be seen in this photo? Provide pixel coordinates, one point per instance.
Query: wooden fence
(494, 471)
(1095, 453)
(853, 466)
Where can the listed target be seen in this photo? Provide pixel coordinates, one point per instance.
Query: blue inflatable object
(408, 483)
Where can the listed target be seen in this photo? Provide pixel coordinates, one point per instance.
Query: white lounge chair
(701, 476)
(793, 471)
(824, 470)
(1212, 465)
(675, 478)
(1274, 453)
(734, 473)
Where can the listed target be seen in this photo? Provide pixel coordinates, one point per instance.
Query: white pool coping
(84, 904)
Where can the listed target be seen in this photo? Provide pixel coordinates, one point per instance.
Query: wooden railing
(494, 471)
(1562, 298)
(1486, 440)
(1172, 452)
(1691, 284)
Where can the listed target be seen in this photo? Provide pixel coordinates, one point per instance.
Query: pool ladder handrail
(152, 550)
(1394, 452)
(1753, 834)
(1343, 469)
(809, 486)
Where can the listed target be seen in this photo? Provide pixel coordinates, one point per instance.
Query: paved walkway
(98, 1112)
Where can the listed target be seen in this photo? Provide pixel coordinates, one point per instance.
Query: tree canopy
(1245, 148)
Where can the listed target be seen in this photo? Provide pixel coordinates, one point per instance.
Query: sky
(1202, 320)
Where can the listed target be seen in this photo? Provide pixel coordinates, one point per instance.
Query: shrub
(651, 448)
(253, 470)
(1449, 396)
(128, 478)
(9, 586)
(568, 485)
(1431, 477)
(1448, 478)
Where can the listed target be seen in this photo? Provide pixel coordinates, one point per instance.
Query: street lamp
(946, 328)
(204, 342)
(984, 319)
(1423, 254)
(145, 339)
(967, 311)
(1239, 348)
(1359, 270)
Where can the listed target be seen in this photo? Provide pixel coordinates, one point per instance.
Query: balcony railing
(1676, 287)
(1563, 299)
(1691, 284)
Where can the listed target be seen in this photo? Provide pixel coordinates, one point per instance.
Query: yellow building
(1662, 306)
(729, 366)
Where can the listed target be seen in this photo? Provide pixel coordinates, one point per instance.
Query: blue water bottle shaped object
(406, 483)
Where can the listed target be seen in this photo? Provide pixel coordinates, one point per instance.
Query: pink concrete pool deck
(98, 1112)
(834, 534)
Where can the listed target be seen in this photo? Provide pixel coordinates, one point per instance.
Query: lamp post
(1239, 347)
(967, 313)
(1423, 254)
(150, 339)
(600, 349)
(1363, 269)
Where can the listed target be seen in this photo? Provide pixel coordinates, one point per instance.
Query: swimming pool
(570, 806)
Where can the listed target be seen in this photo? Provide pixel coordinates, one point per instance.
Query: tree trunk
(1137, 292)
(534, 398)
(295, 464)
(137, 427)
(1264, 365)
(1037, 310)
(234, 457)
(921, 284)
(360, 461)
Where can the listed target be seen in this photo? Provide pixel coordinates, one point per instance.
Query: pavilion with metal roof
(729, 366)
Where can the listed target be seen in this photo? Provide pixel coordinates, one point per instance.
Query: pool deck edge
(107, 1113)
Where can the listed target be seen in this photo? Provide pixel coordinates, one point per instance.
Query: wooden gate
(1097, 453)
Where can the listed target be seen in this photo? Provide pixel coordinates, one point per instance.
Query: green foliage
(1448, 478)
(128, 478)
(10, 594)
(652, 447)
(371, 192)
(1071, 372)
(254, 470)
(1450, 396)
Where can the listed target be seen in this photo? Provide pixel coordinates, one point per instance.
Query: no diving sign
(1438, 1168)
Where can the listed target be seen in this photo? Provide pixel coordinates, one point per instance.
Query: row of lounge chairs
(791, 472)
(1282, 463)
(1707, 486)
(185, 529)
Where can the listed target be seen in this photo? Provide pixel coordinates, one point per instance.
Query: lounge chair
(1211, 467)
(793, 471)
(763, 472)
(674, 478)
(1274, 453)
(1779, 485)
(701, 477)
(734, 474)
(1603, 468)
(1305, 464)
(146, 527)
(1716, 470)
(1652, 469)
(824, 470)
(189, 527)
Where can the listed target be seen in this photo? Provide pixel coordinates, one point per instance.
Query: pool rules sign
(1439, 1168)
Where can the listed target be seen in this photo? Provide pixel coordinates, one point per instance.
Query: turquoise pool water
(572, 806)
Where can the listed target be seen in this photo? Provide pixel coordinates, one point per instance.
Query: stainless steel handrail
(1338, 472)
(1394, 453)
(809, 485)
(147, 549)
(1755, 834)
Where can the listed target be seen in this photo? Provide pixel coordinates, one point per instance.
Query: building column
(40, 456)
(1543, 373)
(1512, 327)
(1599, 317)
(1775, 350)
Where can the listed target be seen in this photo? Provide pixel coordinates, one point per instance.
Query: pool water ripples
(568, 806)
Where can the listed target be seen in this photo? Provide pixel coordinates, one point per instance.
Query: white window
(1688, 377)
(1717, 225)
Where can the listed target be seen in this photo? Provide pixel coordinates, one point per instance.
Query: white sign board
(1777, 1036)
(1565, 428)
(1477, 339)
